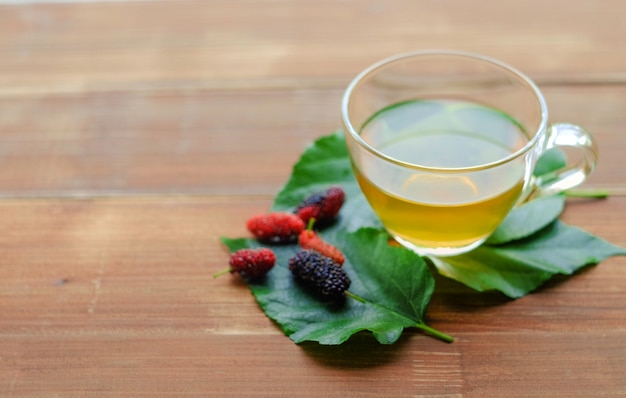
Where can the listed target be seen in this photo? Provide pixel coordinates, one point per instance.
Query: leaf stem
(587, 193)
(435, 333)
(424, 327)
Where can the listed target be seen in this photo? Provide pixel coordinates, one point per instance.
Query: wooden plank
(170, 142)
(98, 44)
(215, 142)
(116, 297)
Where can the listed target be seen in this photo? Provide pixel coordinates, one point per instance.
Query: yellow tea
(441, 203)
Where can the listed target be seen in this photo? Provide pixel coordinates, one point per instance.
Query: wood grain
(216, 142)
(78, 46)
(134, 134)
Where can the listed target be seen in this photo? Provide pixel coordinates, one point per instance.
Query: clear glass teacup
(444, 143)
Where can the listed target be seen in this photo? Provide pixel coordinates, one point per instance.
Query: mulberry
(310, 240)
(276, 227)
(323, 206)
(250, 263)
(321, 274)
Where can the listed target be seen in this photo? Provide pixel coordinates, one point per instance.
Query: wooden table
(134, 134)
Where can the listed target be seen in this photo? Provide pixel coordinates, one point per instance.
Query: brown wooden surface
(134, 134)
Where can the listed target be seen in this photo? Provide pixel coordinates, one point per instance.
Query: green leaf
(519, 267)
(560, 248)
(483, 269)
(392, 284)
(549, 162)
(325, 163)
(528, 219)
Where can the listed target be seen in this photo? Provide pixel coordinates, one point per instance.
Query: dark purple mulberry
(320, 274)
(322, 206)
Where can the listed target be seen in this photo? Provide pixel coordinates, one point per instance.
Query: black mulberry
(321, 274)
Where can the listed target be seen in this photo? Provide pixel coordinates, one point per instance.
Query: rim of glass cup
(345, 103)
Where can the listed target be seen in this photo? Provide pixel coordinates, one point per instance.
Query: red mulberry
(275, 227)
(310, 240)
(251, 263)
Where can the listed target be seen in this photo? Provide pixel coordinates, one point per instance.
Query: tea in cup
(443, 145)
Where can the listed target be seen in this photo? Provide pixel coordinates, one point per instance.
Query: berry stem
(309, 227)
(435, 333)
(222, 272)
(354, 296)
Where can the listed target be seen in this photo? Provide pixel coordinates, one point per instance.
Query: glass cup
(443, 145)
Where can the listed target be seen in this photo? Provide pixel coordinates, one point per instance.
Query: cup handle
(565, 135)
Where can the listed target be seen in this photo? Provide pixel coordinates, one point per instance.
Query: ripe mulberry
(321, 274)
(323, 206)
(310, 240)
(251, 263)
(276, 227)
